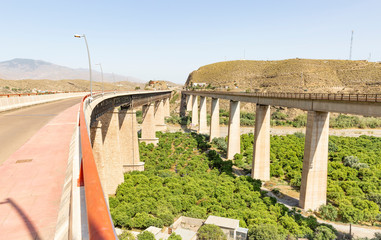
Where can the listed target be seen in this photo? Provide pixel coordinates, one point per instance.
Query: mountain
(19, 68)
(291, 75)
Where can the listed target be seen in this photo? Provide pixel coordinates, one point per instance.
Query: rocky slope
(292, 75)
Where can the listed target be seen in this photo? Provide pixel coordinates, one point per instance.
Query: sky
(168, 39)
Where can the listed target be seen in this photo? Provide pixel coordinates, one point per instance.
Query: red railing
(98, 217)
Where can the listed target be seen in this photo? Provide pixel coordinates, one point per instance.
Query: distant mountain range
(19, 68)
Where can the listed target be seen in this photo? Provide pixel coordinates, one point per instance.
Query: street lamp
(100, 65)
(88, 55)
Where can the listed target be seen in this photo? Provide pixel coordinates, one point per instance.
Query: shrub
(126, 235)
(328, 212)
(324, 233)
(146, 236)
(266, 232)
(210, 232)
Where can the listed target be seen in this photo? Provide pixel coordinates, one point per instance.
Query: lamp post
(100, 65)
(88, 55)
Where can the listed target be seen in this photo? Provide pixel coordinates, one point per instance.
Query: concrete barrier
(9, 103)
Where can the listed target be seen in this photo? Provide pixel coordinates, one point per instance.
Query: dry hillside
(26, 86)
(292, 75)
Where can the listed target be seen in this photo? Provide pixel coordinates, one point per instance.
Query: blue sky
(167, 39)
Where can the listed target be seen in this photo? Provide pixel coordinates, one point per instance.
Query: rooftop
(223, 222)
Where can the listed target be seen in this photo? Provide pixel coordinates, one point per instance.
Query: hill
(27, 86)
(291, 75)
(19, 69)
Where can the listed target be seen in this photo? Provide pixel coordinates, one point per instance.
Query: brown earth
(28, 86)
(291, 75)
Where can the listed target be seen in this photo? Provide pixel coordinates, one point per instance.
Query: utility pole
(350, 51)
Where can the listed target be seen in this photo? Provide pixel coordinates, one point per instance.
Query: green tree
(328, 212)
(210, 232)
(266, 232)
(324, 233)
(145, 235)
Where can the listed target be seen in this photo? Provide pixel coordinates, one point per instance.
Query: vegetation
(184, 177)
(174, 236)
(210, 232)
(145, 235)
(126, 235)
(354, 172)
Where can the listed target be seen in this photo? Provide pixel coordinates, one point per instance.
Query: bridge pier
(189, 102)
(148, 125)
(261, 145)
(215, 119)
(111, 151)
(203, 128)
(313, 190)
(167, 111)
(194, 113)
(234, 131)
(129, 141)
(159, 116)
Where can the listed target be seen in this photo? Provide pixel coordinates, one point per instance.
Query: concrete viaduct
(313, 191)
(114, 134)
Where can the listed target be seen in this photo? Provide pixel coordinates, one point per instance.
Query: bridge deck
(31, 181)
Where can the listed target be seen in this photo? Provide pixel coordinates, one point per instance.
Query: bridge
(104, 145)
(53, 191)
(313, 190)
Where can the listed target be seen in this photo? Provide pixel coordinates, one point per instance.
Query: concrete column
(203, 127)
(261, 146)
(129, 144)
(194, 112)
(167, 111)
(189, 102)
(234, 131)
(97, 145)
(159, 116)
(111, 151)
(148, 125)
(313, 190)
(215, 119)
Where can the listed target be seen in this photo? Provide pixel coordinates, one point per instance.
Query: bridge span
(313, 191)
(52, 191)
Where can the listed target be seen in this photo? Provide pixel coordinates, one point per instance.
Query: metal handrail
(99, 221)
(309, 96)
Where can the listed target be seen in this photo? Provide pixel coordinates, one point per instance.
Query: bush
(146, 236)
(266, 232)
(126, 235)
(221, 144)
(324, 233)
(174, 236)
(210, 232)
(300, 121)
(328, 212)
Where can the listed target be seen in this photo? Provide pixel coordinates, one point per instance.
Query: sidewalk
(31, 181)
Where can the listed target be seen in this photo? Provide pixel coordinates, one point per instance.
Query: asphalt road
(18, 126)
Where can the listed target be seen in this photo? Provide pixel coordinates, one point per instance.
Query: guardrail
(8, 103)
(305, 96)
(98, 218)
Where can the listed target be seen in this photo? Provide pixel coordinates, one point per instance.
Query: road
(18, 126)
